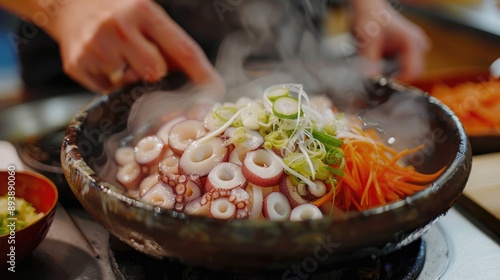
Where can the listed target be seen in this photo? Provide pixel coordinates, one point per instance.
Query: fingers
(412, 54)
(411, 63)
(372, 53)
(85, 69)
(177, 45)
(119, 45)
(144, 57)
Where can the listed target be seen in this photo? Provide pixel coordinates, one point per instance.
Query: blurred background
(464, 34)
(10, 81)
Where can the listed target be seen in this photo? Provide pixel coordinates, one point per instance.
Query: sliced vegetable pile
(475, 104)
(24, 214)
(282, 157)
(373, 176)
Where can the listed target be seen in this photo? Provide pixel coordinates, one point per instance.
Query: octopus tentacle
(305, 212)
(200, 158)
(222, 208)
(169, 164)
(148, 150)
(225, 175)
(185, 188)
(238, 197)
(160, 195)
(261, 169)
(164, 130)
(276, 207)
(130, 175)
(124, 155)
(183, 133)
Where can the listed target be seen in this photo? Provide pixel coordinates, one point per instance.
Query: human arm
(381, 31)
(98, 37)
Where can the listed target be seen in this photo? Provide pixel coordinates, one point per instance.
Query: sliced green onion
(299, 176)
(225, 113)
(332, 181)
(277, 139)
(237, 123)
(335, 171)
(334, 156)
(315, 149)
(328, 140)
(240, 135)
(286, 107)
(276, 93)
(322, 171)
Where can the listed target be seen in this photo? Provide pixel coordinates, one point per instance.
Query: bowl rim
(73, 152)
(52, 206)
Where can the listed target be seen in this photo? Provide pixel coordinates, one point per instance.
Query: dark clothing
(208, 22)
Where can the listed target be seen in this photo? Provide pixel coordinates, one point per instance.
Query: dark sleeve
(208, 22)
(40, 63)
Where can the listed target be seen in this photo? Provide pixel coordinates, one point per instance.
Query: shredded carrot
(374, 176)
(324, 199)
(476, 104)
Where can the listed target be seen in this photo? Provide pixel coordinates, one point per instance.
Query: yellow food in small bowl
(24, 213)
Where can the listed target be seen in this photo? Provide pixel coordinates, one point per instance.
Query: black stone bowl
(244, 245)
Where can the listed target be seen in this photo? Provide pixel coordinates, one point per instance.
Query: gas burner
(406, 263)
(44, 152)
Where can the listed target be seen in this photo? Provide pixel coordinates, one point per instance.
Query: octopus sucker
(215, 195)
(195, 207)
(193, 190)
(185, 188)
(180, 188)
(237, 197)
(243, 161)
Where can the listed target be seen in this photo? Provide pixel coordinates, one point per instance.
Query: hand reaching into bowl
(105, 44)
(381, 31)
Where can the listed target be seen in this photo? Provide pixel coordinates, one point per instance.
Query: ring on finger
(116, 76)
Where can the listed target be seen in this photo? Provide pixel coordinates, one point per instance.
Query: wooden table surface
(483, 186)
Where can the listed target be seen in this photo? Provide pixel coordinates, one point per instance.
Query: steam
(278, 44)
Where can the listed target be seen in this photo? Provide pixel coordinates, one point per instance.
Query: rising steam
(277, 44)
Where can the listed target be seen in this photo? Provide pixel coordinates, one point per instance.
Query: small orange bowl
(42, 194)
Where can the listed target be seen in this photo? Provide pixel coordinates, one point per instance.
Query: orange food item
(477, 105)
(373, 176)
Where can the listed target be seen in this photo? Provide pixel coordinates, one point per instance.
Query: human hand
(106, 44)
(381, 31)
